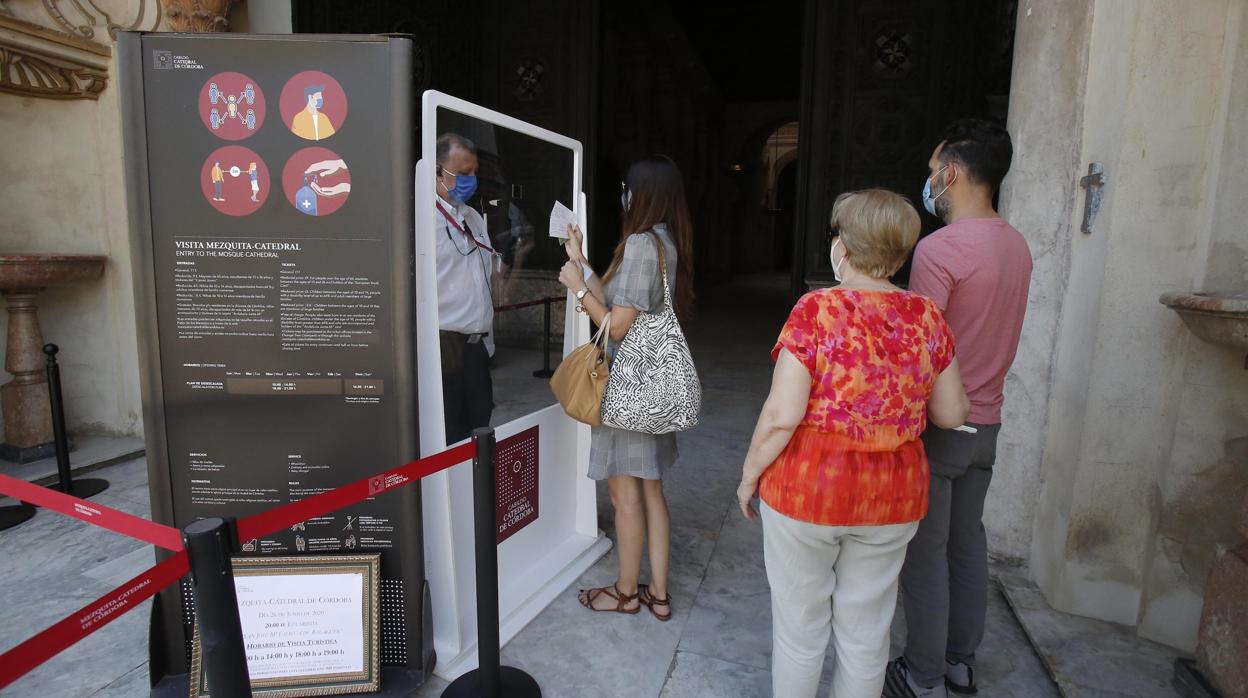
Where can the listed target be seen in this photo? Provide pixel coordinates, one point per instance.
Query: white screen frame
(539, 562)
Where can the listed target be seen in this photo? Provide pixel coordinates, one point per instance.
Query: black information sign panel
(271, 196)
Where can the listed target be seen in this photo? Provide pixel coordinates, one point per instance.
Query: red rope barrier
(290, 514)
(528, 304)
(18, 661)
(114, 520)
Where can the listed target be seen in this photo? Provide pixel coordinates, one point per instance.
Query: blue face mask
(465, 187)
(320, 102)
(929, 201)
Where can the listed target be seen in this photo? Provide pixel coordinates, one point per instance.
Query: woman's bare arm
(782, 413)
(948, 406)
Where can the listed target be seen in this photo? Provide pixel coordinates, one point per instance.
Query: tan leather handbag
(581, 379)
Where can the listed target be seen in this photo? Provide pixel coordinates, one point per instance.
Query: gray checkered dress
(636, 284)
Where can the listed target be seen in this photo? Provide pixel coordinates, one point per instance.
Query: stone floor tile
(698, 675)
(432, 688)
(573, 652)
(1088, 656)
(113, 573)
(90, 451)
(718, 642)
(92, 664)
(131, 684)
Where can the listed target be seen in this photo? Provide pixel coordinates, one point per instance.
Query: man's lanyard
(455, 224)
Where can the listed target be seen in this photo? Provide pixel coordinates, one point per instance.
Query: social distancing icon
(234, 180)
(232, 106)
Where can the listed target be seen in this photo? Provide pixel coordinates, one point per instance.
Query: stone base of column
(27, 454)
(1222, 654)
(27, 420)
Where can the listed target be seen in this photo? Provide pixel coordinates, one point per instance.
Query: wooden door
(881, 80)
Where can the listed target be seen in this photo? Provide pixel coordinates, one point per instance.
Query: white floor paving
(717, 644)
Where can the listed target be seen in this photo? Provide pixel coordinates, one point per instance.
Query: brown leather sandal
(587, 597)
(643, 591)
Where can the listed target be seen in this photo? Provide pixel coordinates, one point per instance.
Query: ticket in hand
(560, 218)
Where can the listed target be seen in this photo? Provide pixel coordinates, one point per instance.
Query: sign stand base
(512, 683)
(396, 682)
(83, 487)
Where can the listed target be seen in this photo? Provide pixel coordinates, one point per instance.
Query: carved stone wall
(198, 15)
(63, 192)
(61, 50)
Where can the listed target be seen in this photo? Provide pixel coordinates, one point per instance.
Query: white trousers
(831, 580)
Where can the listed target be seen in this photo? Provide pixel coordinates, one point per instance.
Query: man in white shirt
(465, 262)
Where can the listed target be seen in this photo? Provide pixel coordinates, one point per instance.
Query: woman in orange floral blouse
(836, 456)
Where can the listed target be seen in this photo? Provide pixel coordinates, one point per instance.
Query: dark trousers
(467, 389)
(944, 581)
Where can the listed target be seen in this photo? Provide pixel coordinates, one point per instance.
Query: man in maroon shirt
(977, 269)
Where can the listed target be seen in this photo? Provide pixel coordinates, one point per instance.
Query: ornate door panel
(445, 58)
(881, 112)
(887, 76)
(890, 93)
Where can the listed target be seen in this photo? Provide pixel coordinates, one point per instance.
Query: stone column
(1223, 649)
(197, 15)
(24, 400)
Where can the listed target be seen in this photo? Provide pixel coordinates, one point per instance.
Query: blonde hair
(878, 228)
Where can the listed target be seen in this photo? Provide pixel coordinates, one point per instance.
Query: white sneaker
(960, 678)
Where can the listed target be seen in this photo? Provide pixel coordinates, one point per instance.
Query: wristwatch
(580, 295)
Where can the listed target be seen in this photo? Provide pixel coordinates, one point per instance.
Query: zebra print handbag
(654, 386)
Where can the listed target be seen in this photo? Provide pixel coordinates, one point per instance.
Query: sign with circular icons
(231, 105)
(313, 105)
(317, 181)
(234, 180)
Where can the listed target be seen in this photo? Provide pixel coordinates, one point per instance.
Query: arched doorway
(780, 193)
(786, 218)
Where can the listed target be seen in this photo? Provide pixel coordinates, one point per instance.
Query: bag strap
(667, 291)
(604, 331)
(600, 339)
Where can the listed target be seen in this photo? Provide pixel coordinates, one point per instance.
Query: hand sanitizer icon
(305, 198)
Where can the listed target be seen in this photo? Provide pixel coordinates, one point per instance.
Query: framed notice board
(271, 206)
(310, 624)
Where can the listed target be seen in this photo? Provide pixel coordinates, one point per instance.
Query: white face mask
(836, 266)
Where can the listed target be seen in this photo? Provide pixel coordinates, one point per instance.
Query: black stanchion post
(545, 371)
(490, 679)
(208, 547)
(86, 487)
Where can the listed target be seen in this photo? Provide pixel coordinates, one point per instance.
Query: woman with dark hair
(656, 234)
